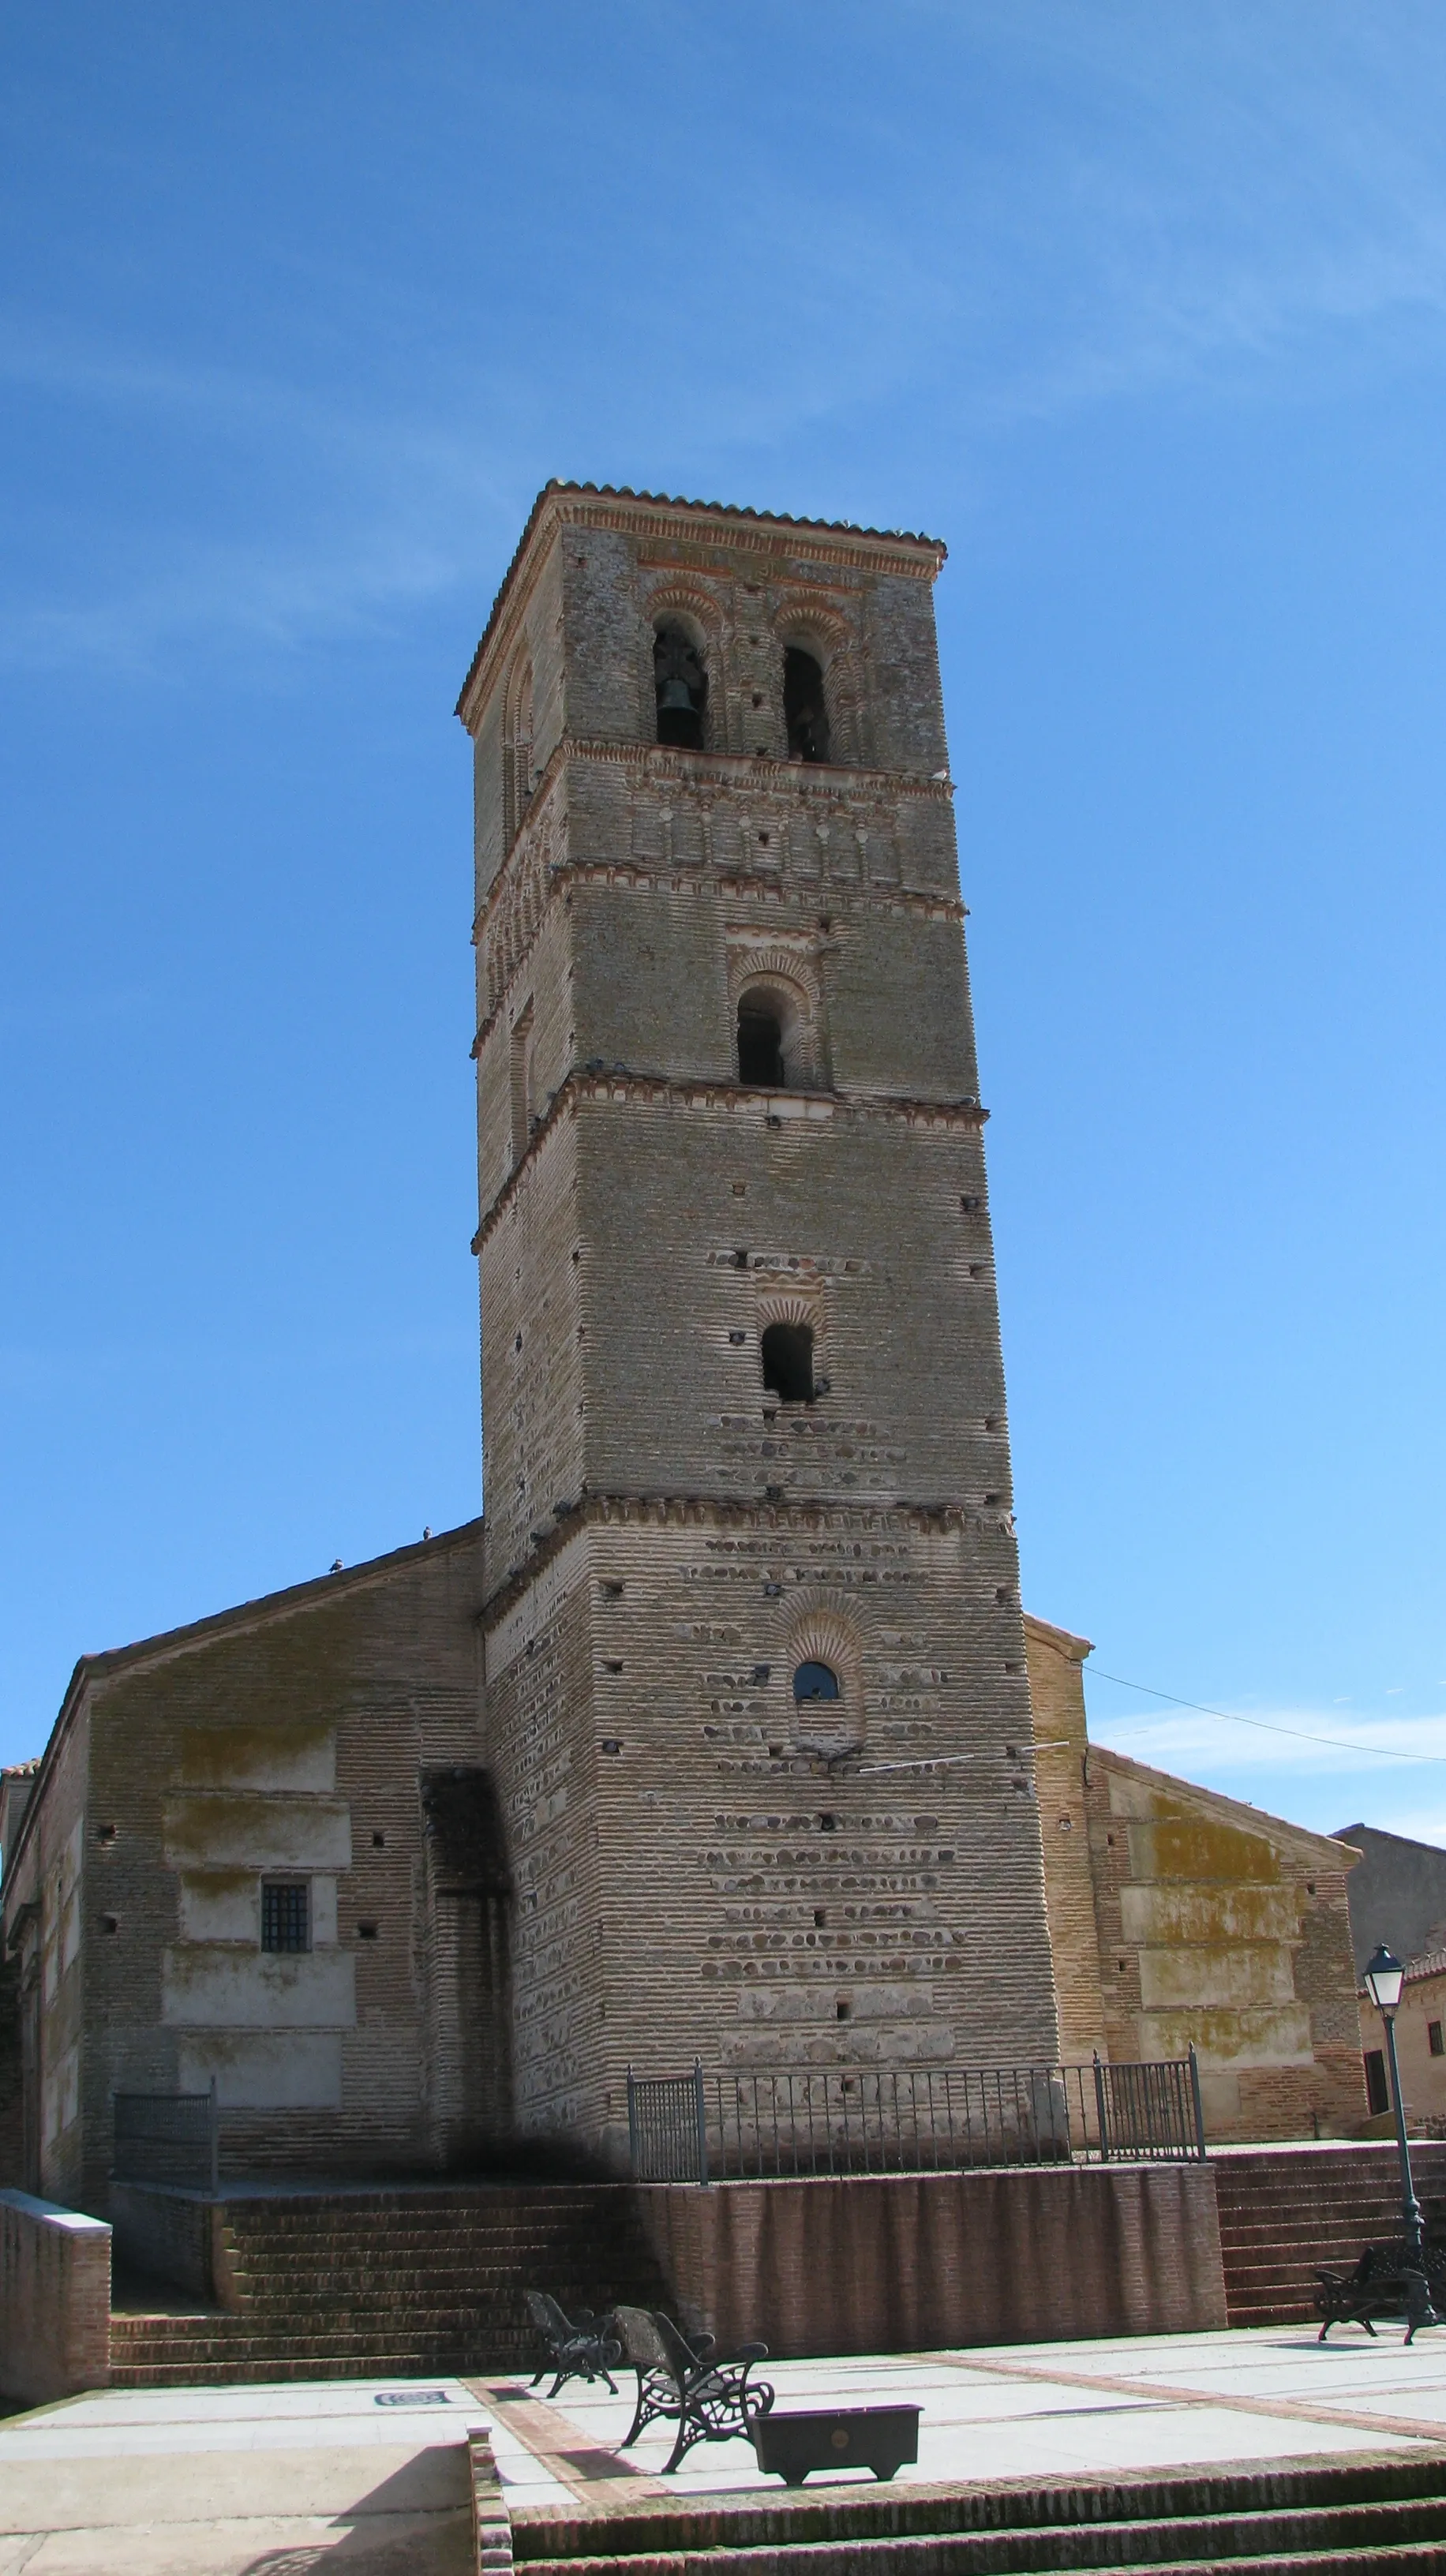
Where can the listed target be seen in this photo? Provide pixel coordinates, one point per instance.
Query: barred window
(285, 1914)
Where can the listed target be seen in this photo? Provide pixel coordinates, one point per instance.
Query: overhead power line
(1267, 1725)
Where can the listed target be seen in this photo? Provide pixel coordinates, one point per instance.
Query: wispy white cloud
(1319, 1742)
(1109, 202)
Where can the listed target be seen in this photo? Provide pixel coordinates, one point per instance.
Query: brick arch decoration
(817, 629)
(795, 978)
(518, 731)
(694, 607)
(826, 1634)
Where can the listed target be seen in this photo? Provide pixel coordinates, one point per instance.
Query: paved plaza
(267, 2481)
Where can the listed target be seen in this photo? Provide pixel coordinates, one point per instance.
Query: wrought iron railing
(780, 2121)
(168, 2138)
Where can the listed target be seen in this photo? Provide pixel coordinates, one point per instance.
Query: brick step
(375, 2353)
(477, 2232)
(489, 2252)
(1345, 2516)
(1339, 2540)
(242, 2373)
(266, 2290)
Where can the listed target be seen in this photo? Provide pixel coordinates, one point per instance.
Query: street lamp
(1384, 1979)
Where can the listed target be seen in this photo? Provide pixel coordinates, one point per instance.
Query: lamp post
(1384, 1979)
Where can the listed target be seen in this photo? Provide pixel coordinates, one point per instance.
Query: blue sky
(1144, 311)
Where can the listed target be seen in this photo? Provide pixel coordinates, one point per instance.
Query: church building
(715, 1738)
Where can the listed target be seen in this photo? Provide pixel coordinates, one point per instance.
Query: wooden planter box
(881, 2438)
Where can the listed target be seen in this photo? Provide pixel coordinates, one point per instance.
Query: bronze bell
(675, 698)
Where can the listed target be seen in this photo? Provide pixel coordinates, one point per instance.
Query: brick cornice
(802, 1106)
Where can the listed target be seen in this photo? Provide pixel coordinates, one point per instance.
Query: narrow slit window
(680, 688)
(787, 1351)
(285, 1914)
(1435, 2040)
(804, 708)
(760, 1042)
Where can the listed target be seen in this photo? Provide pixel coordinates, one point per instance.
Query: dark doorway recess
(788, 1362)
(803, 706)
(760, 1042)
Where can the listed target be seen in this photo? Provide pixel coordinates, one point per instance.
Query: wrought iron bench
(577, 2348)
(688, 2382)
(1385, 2283)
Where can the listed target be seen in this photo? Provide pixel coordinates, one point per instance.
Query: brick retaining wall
(912, 2262)
(54, 2300)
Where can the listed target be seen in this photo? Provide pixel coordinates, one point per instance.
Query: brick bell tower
(755, 1692)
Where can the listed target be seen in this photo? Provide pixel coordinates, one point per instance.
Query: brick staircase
(1313, 2518)
(361, 2284)
(1284, 2211)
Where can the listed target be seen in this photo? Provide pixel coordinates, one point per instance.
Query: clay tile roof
(20, 1770)
(1430, 1963)
(671, 501)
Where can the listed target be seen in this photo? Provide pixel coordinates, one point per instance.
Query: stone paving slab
(1128, 2405)
(242, 2482)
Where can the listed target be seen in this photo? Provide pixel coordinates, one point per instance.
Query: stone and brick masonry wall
(915, 2262)
(54, 2300)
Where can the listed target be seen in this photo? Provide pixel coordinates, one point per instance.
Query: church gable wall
(1233, 1935)
(283, 1752)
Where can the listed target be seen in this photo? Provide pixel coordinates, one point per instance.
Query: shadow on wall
(12, 2133)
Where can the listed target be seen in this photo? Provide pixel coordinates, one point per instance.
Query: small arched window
(804, 706)
(680, 688)
(787, 1353)
(815, 1681)
(760, 1041)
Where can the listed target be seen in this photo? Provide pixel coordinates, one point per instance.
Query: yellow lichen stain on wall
(1190, 1847)
(228, 1829)
(1175, 1912)
(240, 1754)
(1227, 2036)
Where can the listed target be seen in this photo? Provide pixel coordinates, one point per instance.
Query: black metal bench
(688, 2382)
(578, 2347)
(1386, 2283)
(881, 2438)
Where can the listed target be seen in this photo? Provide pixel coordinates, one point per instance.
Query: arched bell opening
(805, 705)
(680, 687)
(775, 1035)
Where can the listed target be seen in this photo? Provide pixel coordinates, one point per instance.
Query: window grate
(285, 1915)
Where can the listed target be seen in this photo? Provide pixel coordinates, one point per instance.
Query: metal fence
(168, 2138)
(912, 2119)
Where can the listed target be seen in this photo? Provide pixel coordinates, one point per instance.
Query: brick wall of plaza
(701, 1865)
